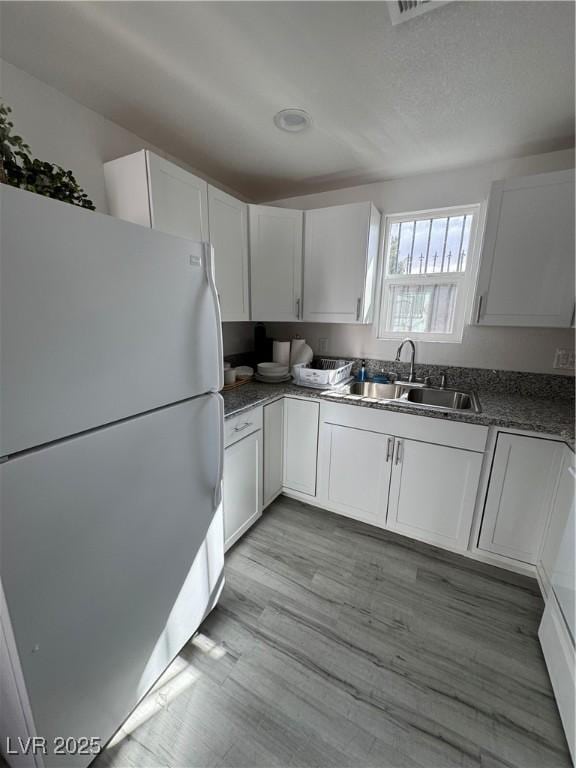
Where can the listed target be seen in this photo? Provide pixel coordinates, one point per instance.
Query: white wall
(238, 337)
(62, 131)
(520, 349)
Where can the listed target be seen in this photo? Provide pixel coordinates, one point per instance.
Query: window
(427, 274)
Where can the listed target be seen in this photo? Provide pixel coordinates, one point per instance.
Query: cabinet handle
(298, 309)
(389, 449)
(358, 307)
(242, 427)
(398, 459)
(479, 308)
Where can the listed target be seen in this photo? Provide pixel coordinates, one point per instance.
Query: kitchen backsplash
(507, 382)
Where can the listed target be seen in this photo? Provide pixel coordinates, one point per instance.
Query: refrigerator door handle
(220, 475)
(209, 266)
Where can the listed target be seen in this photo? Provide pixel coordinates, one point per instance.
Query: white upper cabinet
(527, 269)
(178, 200)
(148, 190)
(276, 263)
(340, 258)
(228, 218)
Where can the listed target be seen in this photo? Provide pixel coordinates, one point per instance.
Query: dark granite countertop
(549, 416)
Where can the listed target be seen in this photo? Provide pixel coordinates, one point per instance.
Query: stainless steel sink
(374, 390)
(444, 398)
(412, 394)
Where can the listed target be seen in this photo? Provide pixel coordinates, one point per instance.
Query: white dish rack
(325, 373)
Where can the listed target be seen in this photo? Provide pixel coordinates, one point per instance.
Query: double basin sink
(412, 393)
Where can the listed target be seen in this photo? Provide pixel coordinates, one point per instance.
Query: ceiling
(466, 83)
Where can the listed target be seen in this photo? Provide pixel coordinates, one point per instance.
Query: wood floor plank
(340, 645)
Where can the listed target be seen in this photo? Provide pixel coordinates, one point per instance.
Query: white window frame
(465, 281)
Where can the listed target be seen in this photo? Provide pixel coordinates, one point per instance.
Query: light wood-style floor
(338, 644)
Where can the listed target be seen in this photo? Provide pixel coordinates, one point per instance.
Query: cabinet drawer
(408, 424)
(237, 427)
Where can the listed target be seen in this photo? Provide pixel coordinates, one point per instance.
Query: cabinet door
(340, 254)
(433, 492)
(273, 449)
(300, 445)
(228, 218)
(562, 506)
(178, 200)
(522, 481)
(242, 497)
(354, 472)
(276, 263)
(527, 270)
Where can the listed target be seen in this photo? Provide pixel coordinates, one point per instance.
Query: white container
(229, 375)
(244, 372)
(327, 373)
(281, 352)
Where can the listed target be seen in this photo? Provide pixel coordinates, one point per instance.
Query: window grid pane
(422, 308)
(429, 246)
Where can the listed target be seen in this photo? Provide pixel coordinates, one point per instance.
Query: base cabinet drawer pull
(242, 427)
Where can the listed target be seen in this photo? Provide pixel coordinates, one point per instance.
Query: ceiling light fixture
(292, 120)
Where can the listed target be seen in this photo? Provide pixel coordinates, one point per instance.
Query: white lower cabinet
(520, 491)
(433, 492)
(242, 483)
(273, 450)
(392, 470)
(300, 445)
(561, 508)
(354, 467)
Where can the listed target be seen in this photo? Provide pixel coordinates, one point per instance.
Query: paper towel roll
(300, 352)
(296, 345)
(281, 352)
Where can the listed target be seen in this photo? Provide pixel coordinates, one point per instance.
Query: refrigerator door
(100, 319)
(111, 555)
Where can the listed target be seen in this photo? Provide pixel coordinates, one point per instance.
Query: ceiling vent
(404, 10)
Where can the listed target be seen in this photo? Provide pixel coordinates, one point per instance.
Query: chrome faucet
(411, 377)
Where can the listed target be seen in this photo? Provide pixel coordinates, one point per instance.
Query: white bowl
(244, 371)
(272, 370)
(273, 376)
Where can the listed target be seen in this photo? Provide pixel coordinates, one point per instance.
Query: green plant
(19, 169)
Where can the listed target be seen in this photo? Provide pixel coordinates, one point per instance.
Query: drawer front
(414, 426)
(241, 425)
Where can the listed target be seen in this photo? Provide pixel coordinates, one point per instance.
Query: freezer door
(106, 563)
(100, 319)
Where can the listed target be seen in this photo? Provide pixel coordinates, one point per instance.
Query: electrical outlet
(322, 346)
(564, 358)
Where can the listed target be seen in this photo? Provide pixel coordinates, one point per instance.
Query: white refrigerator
(111, 454)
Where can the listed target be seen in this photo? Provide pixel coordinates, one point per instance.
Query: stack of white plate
(272, 373)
